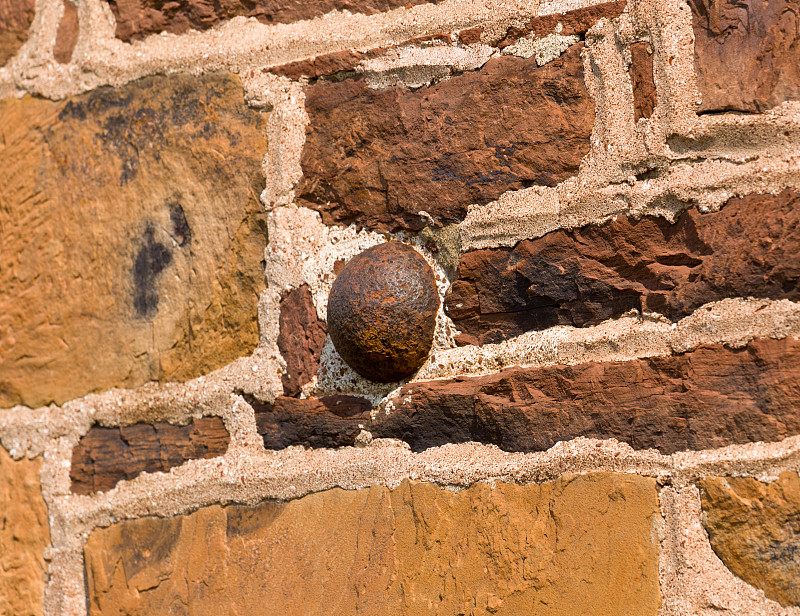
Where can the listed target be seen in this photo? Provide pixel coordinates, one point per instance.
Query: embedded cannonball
(382, 312)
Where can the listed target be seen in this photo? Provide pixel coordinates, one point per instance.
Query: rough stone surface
(106, 456)
(24, 535)
(382, 312)
(329, 421)
(644, 86)
(747, 53)
(578, 545)
(138, 18)
(707, 398)
(754, 528)
(380, 157)
(132, 236)
(751, 247)
(575, 22)
(301, 338)
(16, 17)
(67, 33)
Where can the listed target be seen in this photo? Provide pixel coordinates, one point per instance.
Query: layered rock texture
(401, 551)
(24, 535)
(379, 157)
(754, 528)
(747, 53)
(106, 456)
(16, 17)
(710, 397)
(584, 276)
(132, 236)
(138, 18)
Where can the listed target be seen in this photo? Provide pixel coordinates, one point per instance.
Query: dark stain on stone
(180, 226)
(151, 259)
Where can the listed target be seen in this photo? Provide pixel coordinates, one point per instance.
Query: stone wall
(608, 195)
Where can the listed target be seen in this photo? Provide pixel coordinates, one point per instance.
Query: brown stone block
(579, 545)
(106, 456)
(24, 535)
(329, 421)
(300, 340)
(754, 528)
(67, 33)
(703, 399)
(132, 236)
(575, 22)
(644, 86)
(16, 17)
(750, 248)
(138, 18)
(379, 157)
(747, 53)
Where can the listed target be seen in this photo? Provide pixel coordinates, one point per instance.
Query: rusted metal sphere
(382, 312)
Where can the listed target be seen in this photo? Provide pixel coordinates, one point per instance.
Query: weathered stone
(16, 17)
(106, 456)
(754, 528)
(579, 545)
(382, 312)
(710, 397)
(747, 53)
(575, 22)
(300, 340)
(644, 87)
(138, 18)
(381, 157)
(330, 421)
(132, 236)
(67, 33)
(751, 247)
(24, 535)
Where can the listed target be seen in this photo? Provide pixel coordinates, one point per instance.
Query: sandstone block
(132, 236)
(578, 545)
(747, 53)
(106, 456)
(24, 535)
(644, 86)
(16, 17)
(754, 528)
(380, 157)
(750, 248)
(707, 398)
(138, 18)
(300, 340)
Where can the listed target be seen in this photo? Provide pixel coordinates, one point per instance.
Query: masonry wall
(609, 196)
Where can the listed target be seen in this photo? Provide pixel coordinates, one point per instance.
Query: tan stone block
(24, 534)
(754, 528)
(579, 545)
(132, 236)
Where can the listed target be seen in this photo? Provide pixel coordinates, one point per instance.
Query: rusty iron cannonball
(382, 312)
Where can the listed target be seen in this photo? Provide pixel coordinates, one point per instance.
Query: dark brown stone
(106, 456)
(470, 36)
(751, 247)
(67, 33)
(707, 398)
(380, 157)
(16, 17)
(320, 66)
(330, 421)
(754, 528)
(575, 22)
(138, 18)
(747, 53)
(301, 338)
(382, 312)
(644, 87)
